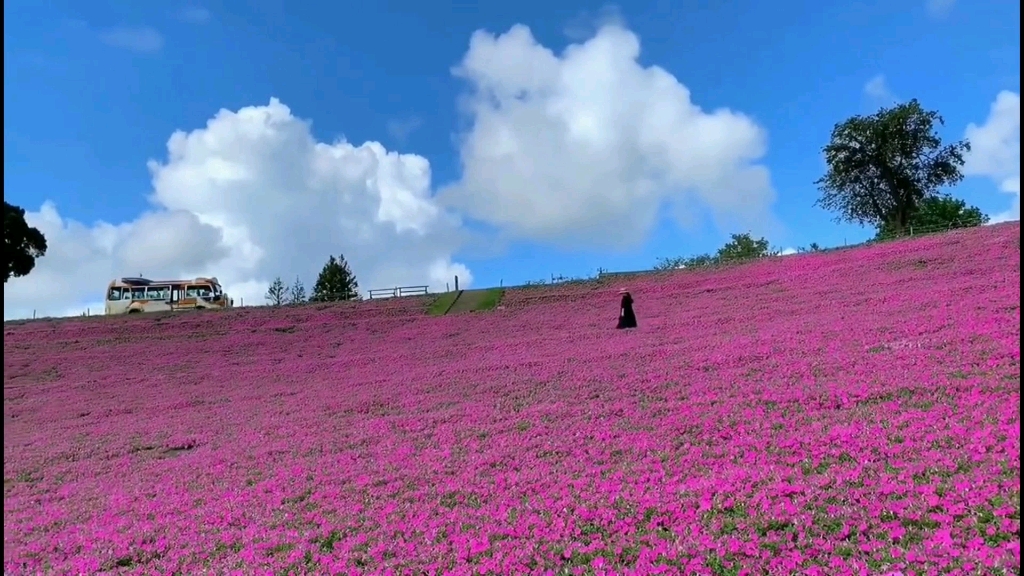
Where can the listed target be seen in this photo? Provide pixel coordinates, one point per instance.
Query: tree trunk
(896, 226)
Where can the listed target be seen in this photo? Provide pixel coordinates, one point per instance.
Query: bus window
(138, 293)
(158, 293)
(126, 294)
(199, 292)
(115, 294)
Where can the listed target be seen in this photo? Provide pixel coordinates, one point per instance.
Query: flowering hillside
(854, 412)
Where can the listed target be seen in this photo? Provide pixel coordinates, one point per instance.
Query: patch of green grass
(845, 551)
(441, 304)
(489, 300)
(828, 524)
(280, 549)
(773, 525)
(719, 567)
(326, 543)
(476, 300)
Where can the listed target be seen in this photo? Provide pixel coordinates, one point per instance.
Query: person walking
(627, 318)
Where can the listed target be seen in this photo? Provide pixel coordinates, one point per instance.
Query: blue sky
(94, 91)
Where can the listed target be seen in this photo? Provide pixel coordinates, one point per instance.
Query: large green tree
(739, 247)
(937, 213)
(336, 282)
(744, 247)
(880, 167)
(23, 244)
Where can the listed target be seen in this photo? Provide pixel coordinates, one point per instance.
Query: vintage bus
(134, 295)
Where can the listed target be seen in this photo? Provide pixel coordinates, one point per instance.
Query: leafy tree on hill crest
(813, 247)
(740, 247)
(937, 213)
(882, 166)
(744, 247)
(23, 244)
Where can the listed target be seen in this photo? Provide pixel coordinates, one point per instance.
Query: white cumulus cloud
(878, 90)
(995, 150)
(136, 39)
(585, 147)
(249, 197)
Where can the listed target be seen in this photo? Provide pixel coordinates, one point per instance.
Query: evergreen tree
(336, 282)
(277, 293)
(297, 292)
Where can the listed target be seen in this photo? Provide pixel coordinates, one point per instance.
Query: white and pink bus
(136, 295)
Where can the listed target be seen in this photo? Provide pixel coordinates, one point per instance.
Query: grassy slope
(442, 303)
(477, 300)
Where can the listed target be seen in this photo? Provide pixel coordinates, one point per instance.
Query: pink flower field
(849, 412)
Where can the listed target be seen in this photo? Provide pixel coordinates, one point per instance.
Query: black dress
(627, 319)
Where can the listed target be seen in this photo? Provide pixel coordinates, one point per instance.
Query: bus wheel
(134, 311)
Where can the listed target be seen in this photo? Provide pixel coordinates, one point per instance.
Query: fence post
(456, 283)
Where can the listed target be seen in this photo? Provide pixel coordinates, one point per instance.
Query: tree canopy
(739, 247)
(23, 244)
(336, 282)
(937, 213)
(880, 167)
(744, 247)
